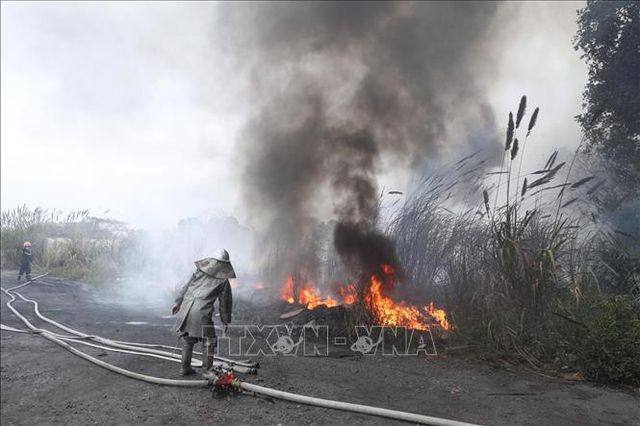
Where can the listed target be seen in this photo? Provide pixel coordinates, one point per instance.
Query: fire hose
(144, 349)
(126, 347)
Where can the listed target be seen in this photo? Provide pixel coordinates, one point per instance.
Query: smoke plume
(338, 87)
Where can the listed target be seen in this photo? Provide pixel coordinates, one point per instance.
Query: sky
(135, 109)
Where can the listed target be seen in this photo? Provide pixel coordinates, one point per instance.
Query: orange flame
(287, 290)
(307, 295)
(349, 294)
(439, 315)
(388, 270)
(385, 310)
(388, 312)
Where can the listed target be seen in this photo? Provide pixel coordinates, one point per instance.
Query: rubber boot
(19, 278)
(28, 277)
(209, 346)
(187, 352)
(207, 362)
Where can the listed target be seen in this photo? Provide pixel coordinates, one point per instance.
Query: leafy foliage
(610, 350)
(609, 37)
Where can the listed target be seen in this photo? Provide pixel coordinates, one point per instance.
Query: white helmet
(221, 255)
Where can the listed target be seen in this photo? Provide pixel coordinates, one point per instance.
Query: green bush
(609, 351)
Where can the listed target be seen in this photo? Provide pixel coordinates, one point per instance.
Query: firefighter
(25, 261)
(194, 307)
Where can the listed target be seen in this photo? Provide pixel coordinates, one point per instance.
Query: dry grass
(75, 245)
(515, 277)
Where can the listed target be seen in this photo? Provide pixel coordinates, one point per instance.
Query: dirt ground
(44, 384)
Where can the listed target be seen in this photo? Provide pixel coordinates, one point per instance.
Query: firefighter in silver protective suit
(194, 307)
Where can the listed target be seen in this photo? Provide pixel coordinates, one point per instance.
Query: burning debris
(389, 312)
(382, 307)
(306, 294)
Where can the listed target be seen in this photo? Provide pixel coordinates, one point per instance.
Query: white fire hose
(145, 349)
(127, 347)
(139, 347)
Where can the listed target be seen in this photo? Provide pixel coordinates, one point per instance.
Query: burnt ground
(44, 384)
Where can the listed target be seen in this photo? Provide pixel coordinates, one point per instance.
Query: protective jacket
(197, 296)
(26, 257)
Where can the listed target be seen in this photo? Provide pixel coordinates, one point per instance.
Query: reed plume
(510, 129)
(514, 149)
(532, 121)
(521, 110)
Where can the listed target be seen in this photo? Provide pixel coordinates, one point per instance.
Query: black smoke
(336, 87)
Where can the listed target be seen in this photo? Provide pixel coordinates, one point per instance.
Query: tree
(609, 37)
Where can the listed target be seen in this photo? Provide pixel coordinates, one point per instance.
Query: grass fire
(320, 212)
(382, 307)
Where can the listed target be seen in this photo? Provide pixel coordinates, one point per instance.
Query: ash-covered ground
(44, 384)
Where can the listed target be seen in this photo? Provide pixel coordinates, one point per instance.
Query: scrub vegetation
(73, 245)
(531, 274)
